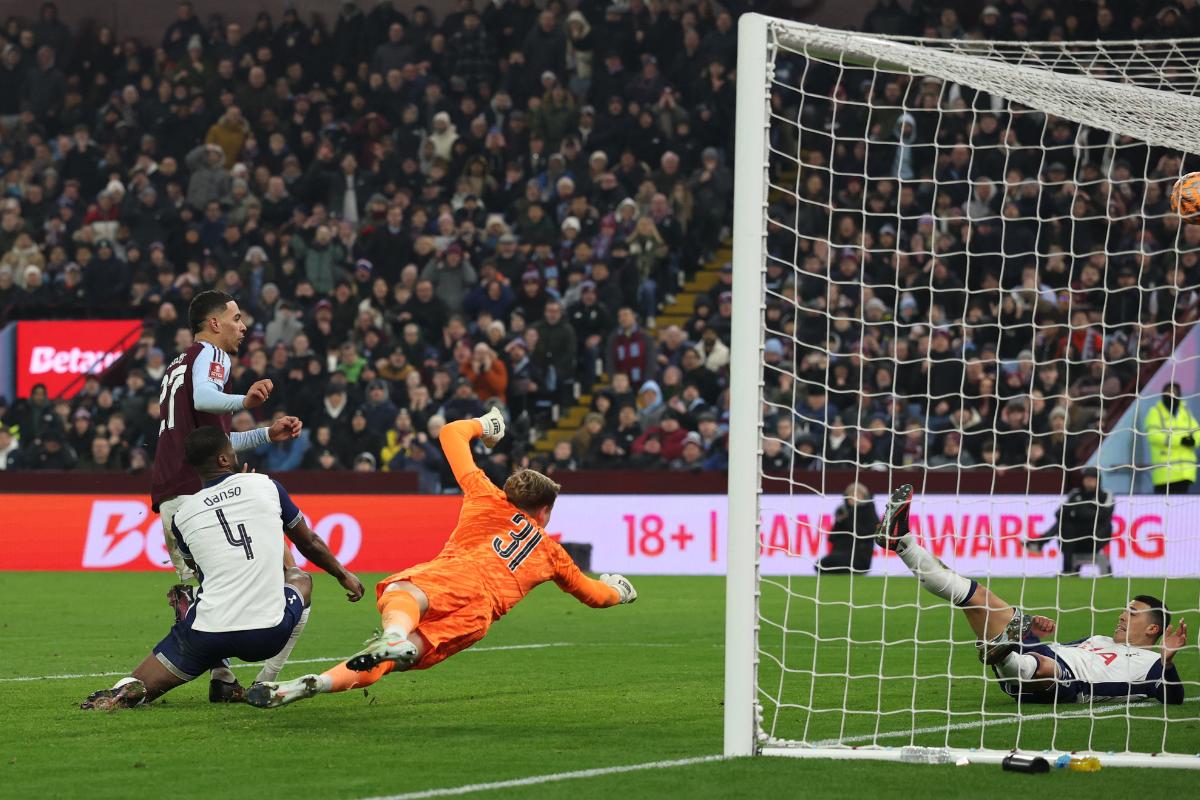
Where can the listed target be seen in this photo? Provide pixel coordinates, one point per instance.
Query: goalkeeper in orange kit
(496, 555)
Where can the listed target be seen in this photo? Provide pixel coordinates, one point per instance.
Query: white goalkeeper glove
(622, 585)
(493, 427)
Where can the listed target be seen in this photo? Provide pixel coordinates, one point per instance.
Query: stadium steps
(676, 313)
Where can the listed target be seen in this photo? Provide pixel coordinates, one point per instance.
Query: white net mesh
(974, 284)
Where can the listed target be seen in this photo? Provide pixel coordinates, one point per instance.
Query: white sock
(223, 674)
(933, 574)
(274, 665)
(123, 681)
(325, 683)
(1016, 665)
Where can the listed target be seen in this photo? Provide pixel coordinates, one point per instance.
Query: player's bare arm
(314, 549)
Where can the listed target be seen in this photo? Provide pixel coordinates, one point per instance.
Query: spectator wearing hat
(364, 462)
(592, 322)
(208, 179)
(321, 258)
(106, 279)
(358, 438)
(451, 275)
(379, 408)
(556, 352)
(81, 432)
(691, 455)
(50, 452)
(669, 433)
(335, 410)
(524, 377)
(555, 115)
(38, 296)
(545, 46)
(610, 78)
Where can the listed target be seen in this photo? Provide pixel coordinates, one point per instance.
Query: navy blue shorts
(189, 653)
(1067, 688)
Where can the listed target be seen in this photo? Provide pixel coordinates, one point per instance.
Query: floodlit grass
(601, 688)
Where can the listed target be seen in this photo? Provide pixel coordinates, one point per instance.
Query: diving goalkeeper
(1124, 666)
(496, 555)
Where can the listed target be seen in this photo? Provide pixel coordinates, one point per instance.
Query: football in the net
(1185, 198)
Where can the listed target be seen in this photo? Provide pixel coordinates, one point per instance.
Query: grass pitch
(555, 687)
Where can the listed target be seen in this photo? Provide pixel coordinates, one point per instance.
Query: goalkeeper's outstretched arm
(609, 590)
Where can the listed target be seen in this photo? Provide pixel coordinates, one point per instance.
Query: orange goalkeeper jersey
(508, 551)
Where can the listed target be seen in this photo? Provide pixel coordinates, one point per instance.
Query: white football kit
(1104, 669)
(233, 530)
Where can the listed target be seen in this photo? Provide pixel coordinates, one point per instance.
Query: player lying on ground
(231, 533)
(1123, 666)
(496, 555)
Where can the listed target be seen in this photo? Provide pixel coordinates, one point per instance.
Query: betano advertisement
(633, 534)
(61, 354)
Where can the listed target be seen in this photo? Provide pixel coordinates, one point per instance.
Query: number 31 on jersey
(520, 543)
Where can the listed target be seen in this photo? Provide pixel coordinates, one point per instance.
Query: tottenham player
(1124, 666)
(194, 395)
(232, 534)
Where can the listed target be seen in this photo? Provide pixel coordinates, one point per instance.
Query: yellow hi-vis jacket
(1170, 460)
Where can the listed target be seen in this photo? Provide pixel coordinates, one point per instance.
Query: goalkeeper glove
(493, 427)
(622, 585)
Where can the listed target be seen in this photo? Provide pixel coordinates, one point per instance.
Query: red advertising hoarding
(976, 535)
(61, 354)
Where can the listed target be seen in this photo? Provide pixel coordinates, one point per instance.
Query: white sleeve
(248, 440)
(210, 372)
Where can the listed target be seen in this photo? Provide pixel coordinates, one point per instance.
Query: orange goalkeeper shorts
(460, 610)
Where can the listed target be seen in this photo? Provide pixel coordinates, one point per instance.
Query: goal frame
(742, 713)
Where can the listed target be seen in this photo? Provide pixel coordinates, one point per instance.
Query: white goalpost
(955, 266)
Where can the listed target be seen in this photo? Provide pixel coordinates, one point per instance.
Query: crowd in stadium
(420, 214)
(979, 284)
(426, 214)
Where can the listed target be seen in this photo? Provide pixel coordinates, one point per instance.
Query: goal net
(956, 266)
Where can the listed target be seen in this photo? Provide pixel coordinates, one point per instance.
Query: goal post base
(951, 755)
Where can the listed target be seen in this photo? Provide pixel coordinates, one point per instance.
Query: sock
(274, 665)
(341, 677)
(123, 681)
(223, 674)
(400, 612)
(1017, 665)
(935, 576)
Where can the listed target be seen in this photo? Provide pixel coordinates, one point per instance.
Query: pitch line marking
(329, 660)
(533, 780)
(1101, 711)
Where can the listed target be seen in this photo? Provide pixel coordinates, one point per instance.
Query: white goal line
(533, 780)
(1101, 710)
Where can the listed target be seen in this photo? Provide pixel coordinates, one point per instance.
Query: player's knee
(1046, 668)
(299, 580)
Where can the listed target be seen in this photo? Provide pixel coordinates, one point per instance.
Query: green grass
(620, 686)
